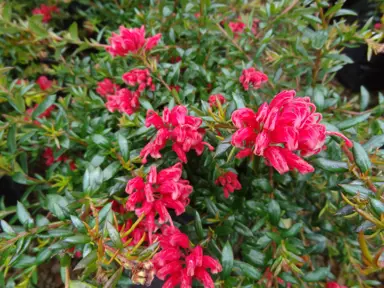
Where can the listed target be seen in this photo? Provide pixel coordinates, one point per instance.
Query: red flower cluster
(44, 83)
(139, 77)
(46, 11)
(159, 192)
(177, 126)
(334, 285)
(237, 27)
(229, 182)
(50, 159)
(131, 41)
(212, 100)
(252, 76)
(181, 263)
(276, 130)
(124, 101)
(107, 87)
(136, 234)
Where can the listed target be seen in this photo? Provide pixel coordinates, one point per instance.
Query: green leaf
(114, 235)
(238, 100)
(86, 261)
(167, 11)
(274, 212)
(79, 284)
(44, 106)
(43, 256)
(374, 143)
(330, 165)
(23, 215)
(345, 12)
(262, 184)
(354, 190)
(353, 121)
(124, 147)
(243, 230)
(293, 230)
(247, 270)
(78, 239)
(74, 31)
(377, 206)
(112, 282)
(18, 103)
(36, 25)
(198, 226)
(11, 139)
(57, 205)
(7, 228)
(211, 207)
(364, 98)
(361, 157)
(111, 170)
(223, 146)
(317, 275)
(147, 252)
(319, 39)
(100, 140)
(77, 223)
(227, 260)
(254, 257)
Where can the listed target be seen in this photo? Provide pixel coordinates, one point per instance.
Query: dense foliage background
(74, 159)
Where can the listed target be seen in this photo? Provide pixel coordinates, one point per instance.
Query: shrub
(197, 141)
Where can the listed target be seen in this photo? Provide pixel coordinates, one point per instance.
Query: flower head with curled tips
(182, 130)
(229, 182)
(140, 77)
(44, 83)
(179, 264)
(288, 124)
(253, 77)
(46, 11)
(157, 193)
(237, 27)
(107, 87)
(131, 41)
(124, 101)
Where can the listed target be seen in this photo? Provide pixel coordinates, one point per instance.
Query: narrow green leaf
(74, 31)
(7, 228)
(364, 98)
(111, 170)
(23, 215)
(361, 157)
(11, 139)
(317, 275)
(100, 140)
(377, 206)
(78, 239)
(86, 261)
(112, 282)
(247, 270)
(242, 229)
(77, 223)
(43, 256)
(79, 284)
(227, 260)
(274, 212)
(354, 190)
(330, 165)
(293, 230)
(44, 106)
(374, 143)
(114, 235)
(124, 147)
(353, 121)
(198, 226)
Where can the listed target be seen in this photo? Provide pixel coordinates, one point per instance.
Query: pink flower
(252, 76)
(179, 263)
(107, 87)
(377, 26)
(46, 11)
(212, 100)
(131, 41)
(44, 83)
(124, 101)
(159, 192)
(178, 127)
(237, 27)
(288, 124)
(139, 77)
(334, 285)
(229, 182)
(117, 207)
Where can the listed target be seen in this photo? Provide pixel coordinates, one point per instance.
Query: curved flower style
(124, 101)
(44, 83)
(131, 41)
(212, 100)
(229, 182)
(177, 126)
(252, 76)
(106, 87)
(276, 130)
(159, 192)
(140, 77)
(181, 263)
(46, 11)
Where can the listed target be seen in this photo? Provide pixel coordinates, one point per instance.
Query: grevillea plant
(198, 143)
